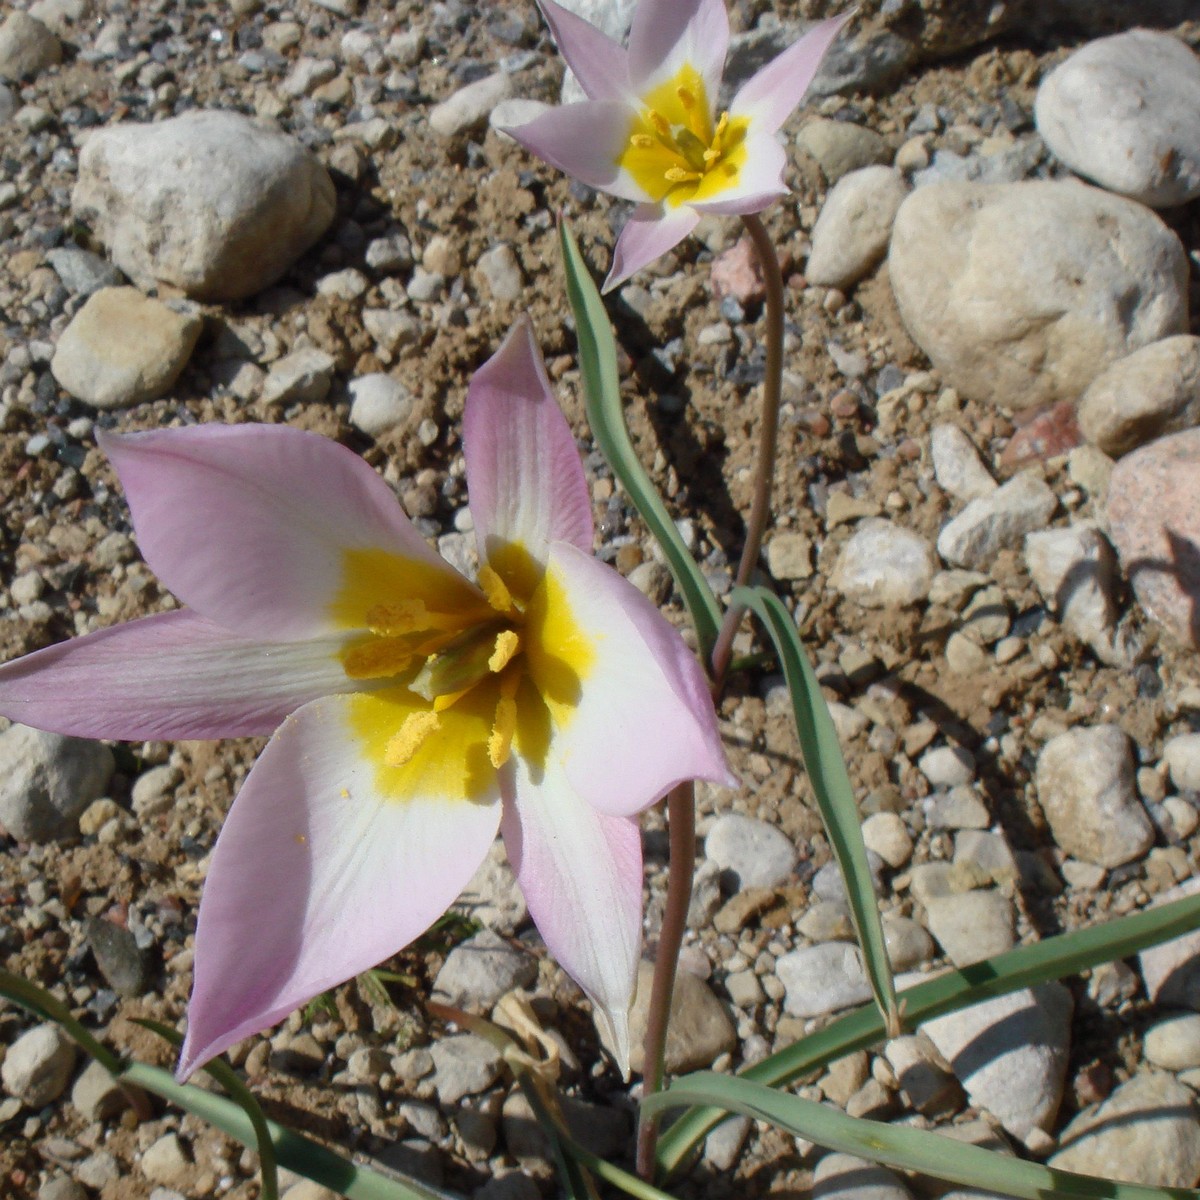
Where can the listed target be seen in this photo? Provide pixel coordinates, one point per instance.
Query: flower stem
(681, 823)
(768, 438)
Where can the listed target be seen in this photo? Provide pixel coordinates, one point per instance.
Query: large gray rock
(1086, 787)
(1125, 112)
(1022, 293)
(212, 203)
(27, 47)
(47, 780)
(1010, 1054)
(1147, 1131)
(1153, 391)
(1154, 521)
(122, 348)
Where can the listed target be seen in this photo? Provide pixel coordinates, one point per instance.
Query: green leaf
(602, 397)
(41, 1003)
(1026, 966)
(241, 1095)
(827, 772)
(901, 1146)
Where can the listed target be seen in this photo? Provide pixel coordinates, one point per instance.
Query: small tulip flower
(412, 712)
(649, 130)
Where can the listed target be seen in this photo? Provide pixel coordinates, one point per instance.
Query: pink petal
(174, 675)
(630, 706)
(257, 526)
(597, 61)
(769, 97)
(650, 232)
(667, 34)
(581, 874)
(524, 477)
(759, 180)
(330, 861)
(584, 141)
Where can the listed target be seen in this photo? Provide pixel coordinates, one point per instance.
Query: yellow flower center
(674, 151)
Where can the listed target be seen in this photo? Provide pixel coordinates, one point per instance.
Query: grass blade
(41, 1003)
(900, 1146)
(1026, 966)
(602, 397)
(831, 783)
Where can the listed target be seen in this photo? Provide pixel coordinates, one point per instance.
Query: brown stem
(768, 438)
(681, 824)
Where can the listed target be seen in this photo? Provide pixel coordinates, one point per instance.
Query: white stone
(884, 564)
(391, 330)
(845, 1177)
(789, 556)
(822, 979)
(166, 1161)
(1010, 1054)
(1086, 787)
(612, 17)
(212, 203)
(27, 47)
(948, 766)
(492, 897)
(1174, 1044)
(122, 348)
(470, 106)
(756, 852)
(840, 147)
(1146, 394)
(480, 970)
(378, 403)
(302, 377)
(851, 234)
(38, 1065)
(515, 112)
(885, 833)
(1022, 293)
(957, 466)
(1171, 970)
(1182, 756)
(1123, 111)
(501, 272)
(993, 522)
(972, 925)
(464, 1065)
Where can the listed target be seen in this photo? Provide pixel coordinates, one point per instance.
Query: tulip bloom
(649, 130)
(413, 713)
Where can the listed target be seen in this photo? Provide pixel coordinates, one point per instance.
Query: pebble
(1145, 1132)
(1171, 970)
(212, 203)
(464, 1065)
(884, 565)
(27, 47)
(122, 348)
(736, 274)
(845, 1177)
(1051, 433)
(723, 1146)
(1010, 1054)
(972, 925)
(756, 853)
(96, 1095)
(1075, 570)
(948, 766)
(789, 556)
(699, 1032)
(1149, 393)
(851, 235)
(61, 1187)
(1182, 756)
(1153, 515)
(958, 808)
(515, 112)
(908, 944)
(469, 107)
(492, 897)
(47, 780)
(1087, 789)
(378, 403)
(480, 970)
(167, 1162)
(501, 272)
(822, 979)
(1174, 1044)
(840, 147)
(153, 791)
(83, 272)
(996, 521)
(1022, 293)
(38, 1065)
(886, 835)
(121, 960)
(302, 377)
(1122, 112)
(924, 1076)
(957, 466)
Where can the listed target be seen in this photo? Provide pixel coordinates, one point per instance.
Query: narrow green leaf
(602, 397)
(41, 1003)
(292, 1150)
(241, 1095)
(831, 784)
(1026, 966)
(900, 1146)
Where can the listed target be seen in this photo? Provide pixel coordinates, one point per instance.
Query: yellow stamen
(643, 141)
(686, 97)
(507, 645)
(679, 175)
(402, 747)
(504, 725)
(377, 659)
(409, 616)
(496, 591)
(661, 125)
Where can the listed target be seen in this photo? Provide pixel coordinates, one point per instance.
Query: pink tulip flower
(649, 130)
(412, 712)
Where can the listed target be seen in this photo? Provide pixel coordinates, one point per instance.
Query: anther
(643, 141)
(504, 725)
(661, 125)
(505, 650)
(686, 97)
(496, 591)
(679, 175)
(416, 730)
